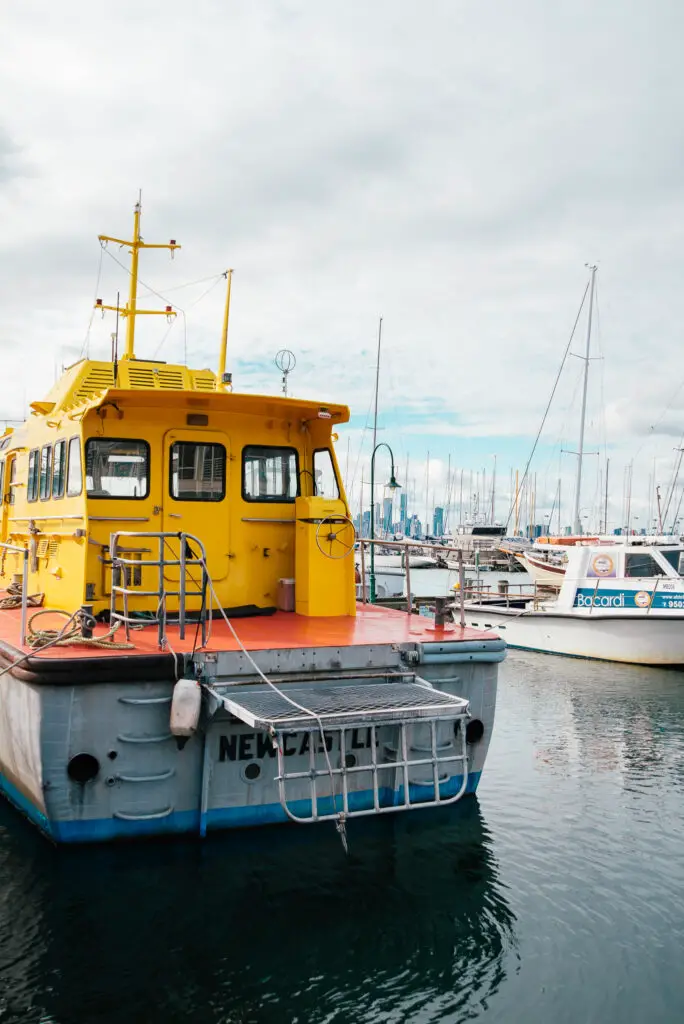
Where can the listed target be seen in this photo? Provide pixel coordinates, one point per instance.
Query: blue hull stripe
(93, 830)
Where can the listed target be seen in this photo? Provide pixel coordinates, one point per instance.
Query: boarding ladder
(127, 572)
(413, 730)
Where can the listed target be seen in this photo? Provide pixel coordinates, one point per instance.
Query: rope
(341, 823)
(13, 598)
(54, 638)
(67, 637)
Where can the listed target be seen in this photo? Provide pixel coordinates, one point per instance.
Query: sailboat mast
(577, 526)
(427, 491)
(377, 385)
(493, 519)
(605, 502)
(515, 527)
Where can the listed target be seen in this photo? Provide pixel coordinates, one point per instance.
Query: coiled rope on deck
(71, 633)
(13, 597)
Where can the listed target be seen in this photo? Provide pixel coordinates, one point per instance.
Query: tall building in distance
(387, 515)
(438, 522)
(403, 510)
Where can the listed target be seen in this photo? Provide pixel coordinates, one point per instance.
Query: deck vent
(98, 379)
(172, 380)
(204, 382)
(138, 377)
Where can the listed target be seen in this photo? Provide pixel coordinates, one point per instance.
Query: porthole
(83, 768)
(474, 731)
(350, 761)
(251, 771)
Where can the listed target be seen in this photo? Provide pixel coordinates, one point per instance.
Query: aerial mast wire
(577, 525)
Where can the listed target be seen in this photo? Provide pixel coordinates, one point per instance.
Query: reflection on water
(257, 927)
(584, 796)
(559, 896)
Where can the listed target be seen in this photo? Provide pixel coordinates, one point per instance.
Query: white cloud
(450, 167)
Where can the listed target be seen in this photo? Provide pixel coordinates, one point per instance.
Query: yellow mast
(130, 310)
(221, 384)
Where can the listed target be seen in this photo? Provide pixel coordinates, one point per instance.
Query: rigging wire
(660, 419)
(178, 287)
(150, 289)
(548, 404)
(215, 279)
(85, 347)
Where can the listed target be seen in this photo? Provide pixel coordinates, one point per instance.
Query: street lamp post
(393, 485)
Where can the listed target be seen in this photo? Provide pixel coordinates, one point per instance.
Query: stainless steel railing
(404, 546)
(121, 585)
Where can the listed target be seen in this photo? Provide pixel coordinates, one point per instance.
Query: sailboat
(546, 559)
(620, 598)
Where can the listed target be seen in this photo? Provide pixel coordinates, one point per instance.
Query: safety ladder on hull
(191, 565)
(392, 711)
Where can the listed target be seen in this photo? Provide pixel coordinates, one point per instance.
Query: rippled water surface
(557, 895)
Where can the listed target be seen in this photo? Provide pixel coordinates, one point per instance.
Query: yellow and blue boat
(180, 645)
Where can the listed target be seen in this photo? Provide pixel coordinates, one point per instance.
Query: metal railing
(24, 552)
(404, 546)
(415, 795)
(121, 581)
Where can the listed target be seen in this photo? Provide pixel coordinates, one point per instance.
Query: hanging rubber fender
(185, 708)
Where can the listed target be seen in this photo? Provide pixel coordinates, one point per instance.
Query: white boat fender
(185, 710)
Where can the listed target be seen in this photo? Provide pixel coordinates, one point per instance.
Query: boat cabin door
(7, 483)
(195, 497)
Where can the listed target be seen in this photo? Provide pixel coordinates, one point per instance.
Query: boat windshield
(641, 563)
(675, 556)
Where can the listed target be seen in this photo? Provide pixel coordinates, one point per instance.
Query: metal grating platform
(339, 705)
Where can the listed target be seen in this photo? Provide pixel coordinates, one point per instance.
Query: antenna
(115, 342)
(286, 362)
(224, 381)
(130, 310)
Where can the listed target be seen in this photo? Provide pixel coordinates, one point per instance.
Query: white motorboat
(546, 570)
(621, 600)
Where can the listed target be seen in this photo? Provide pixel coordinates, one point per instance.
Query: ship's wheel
(336, 536)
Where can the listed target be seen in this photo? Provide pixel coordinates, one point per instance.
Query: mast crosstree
(130, 310)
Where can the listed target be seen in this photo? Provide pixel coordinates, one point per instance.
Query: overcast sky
(450, 166)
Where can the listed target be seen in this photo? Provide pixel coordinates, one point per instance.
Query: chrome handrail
(161, 563)
(404, 546)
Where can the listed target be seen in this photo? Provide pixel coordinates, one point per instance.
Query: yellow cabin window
(45, 471)
(58, 468)
(33, 470)
(197, 471)
(12, 480)
(269, 473)
(74, 471)
(324, 474)
(117, 468)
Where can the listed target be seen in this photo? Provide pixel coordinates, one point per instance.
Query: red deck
(372, 625)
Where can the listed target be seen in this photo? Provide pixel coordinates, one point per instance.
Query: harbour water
(555, 895)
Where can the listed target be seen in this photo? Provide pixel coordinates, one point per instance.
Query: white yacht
(621, 599)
